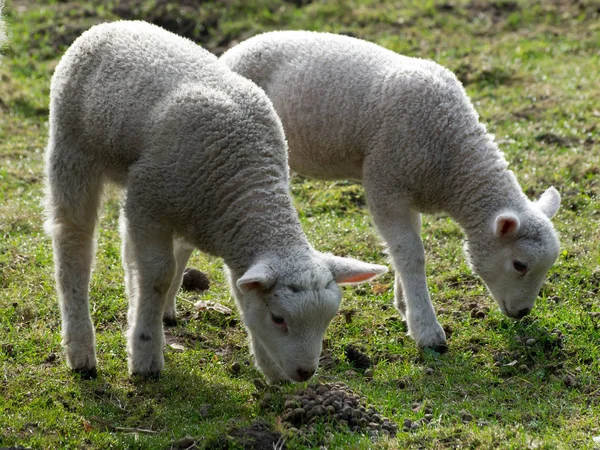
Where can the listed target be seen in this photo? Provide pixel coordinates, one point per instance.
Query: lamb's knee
(164, 277)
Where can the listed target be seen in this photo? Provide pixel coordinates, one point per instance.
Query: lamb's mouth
(502, 307)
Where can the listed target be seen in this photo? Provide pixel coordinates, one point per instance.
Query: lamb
(405, 128)
(2, 27)
(202, 155)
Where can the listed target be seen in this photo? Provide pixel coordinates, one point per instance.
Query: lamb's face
(286, 310)
(287, 324)
(514, 258)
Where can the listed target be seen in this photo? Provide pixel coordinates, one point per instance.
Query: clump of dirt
(194, 280)
(258, 436)
(337, 404)
(357, 358)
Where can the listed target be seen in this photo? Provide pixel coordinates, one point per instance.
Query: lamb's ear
(506, 225)
(259, 276)
(352, 271)
(549, 202)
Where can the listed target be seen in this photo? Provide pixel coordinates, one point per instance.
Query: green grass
(531, 68)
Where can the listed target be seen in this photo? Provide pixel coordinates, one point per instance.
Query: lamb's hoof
(170, 321)
(150, 376)
(439, 348)
(87, 374)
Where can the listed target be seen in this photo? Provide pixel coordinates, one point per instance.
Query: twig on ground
(112, 427)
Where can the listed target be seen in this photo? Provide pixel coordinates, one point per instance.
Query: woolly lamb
(406, 128)
(2, 27)
(203, 157)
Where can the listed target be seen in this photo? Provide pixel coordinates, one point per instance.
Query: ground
(531, 69)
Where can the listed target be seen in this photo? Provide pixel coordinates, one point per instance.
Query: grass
(531, 69)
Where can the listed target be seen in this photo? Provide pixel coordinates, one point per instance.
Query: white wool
(2, 27)
(405, 128)
(202, 156)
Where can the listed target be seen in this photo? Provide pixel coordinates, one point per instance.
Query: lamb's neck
(483, 188)
(266, 227)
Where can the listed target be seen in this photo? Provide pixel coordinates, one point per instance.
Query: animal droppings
(337, 404)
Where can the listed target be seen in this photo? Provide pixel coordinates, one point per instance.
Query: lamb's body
(405, 128)
(202, 155)
(2, 29)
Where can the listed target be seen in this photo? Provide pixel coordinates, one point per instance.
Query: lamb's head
(286, 308)
(515, 252)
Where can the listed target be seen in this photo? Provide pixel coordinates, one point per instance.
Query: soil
(258, 436)
(358, 359)
(194, 280)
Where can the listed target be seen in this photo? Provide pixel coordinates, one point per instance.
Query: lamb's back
(331, 92)
(113, 85)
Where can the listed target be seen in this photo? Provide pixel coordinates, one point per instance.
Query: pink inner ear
(506, 226)
(251, 285)
(357, 278)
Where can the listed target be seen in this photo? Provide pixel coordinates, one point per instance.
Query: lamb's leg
(73, 197)
(400, 227)
(128, 261)
(182, 251)
(399, 300)
(151, 252)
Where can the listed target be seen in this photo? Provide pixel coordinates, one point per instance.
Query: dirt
(194, 280)
(496, 9)
(257, 436)
(357, 358)
(496, 76)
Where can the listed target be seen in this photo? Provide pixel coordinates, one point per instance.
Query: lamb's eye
(277, 319)
(520, 266)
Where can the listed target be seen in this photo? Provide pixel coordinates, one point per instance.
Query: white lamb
(2, 27)
(203, 157)
(406, 128)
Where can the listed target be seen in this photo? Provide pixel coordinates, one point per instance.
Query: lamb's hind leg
(399, 227)
(151, 257)
(182, 251)
(72, 199)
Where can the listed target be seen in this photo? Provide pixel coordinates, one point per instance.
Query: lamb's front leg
(152, 278)
(399, 227)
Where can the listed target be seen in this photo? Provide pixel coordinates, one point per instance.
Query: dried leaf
(204, 305)
(173, 343)
(379, 288)
(512, 363)
(177, 346)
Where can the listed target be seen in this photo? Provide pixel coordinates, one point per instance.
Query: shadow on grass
(178, 403)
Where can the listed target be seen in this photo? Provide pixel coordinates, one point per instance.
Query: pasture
(531, 68)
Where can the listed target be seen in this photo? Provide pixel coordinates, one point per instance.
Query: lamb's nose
(305, 374)
(523, 312)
